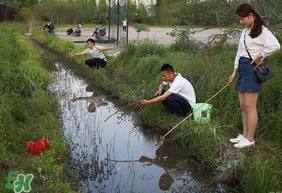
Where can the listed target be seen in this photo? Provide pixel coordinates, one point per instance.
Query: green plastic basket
(202, 112)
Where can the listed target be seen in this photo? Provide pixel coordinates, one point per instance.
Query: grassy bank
(26, 114)
(134, 75)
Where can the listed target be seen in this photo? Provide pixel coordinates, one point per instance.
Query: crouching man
(179, 98)
(98, 58)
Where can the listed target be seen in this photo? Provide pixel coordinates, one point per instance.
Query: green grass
(26, 114)
(260, 176)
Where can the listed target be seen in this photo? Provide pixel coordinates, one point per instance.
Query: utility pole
(127, 24)
(109, 28)
(118, 19)
(270, 12)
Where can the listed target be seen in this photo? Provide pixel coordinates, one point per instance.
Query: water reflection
(172, 162)
(118, 155)
(95, 101)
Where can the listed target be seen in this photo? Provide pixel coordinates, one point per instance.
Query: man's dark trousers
(176, 104)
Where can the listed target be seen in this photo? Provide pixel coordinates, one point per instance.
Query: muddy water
(116, 154)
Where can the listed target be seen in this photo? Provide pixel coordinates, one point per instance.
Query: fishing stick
(118, 111)
(124, 108)
(107, 159)
(195, 110)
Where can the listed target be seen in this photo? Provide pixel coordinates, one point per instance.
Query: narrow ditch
(110, 152)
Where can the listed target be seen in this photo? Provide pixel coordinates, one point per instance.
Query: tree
(103, 11)
(25, 14)
(142, 15)
(7, 13)
(139, 28)
(20, 3)
(132, 12)
(89, 8)
(92, 8)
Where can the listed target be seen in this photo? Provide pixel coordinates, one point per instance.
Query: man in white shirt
(179, 98)
(98, 58)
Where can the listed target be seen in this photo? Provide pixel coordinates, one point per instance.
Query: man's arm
(153, 161)
(161, 88)
(157, 99)
(101, 48)
(80, 98)
(77, 54)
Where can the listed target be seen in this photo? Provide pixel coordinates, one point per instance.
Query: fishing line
(107, 159)
(56, 80)
(195, 110)
(118, 111)
(124, 108)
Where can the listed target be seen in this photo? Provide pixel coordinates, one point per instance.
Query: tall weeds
(26, 113)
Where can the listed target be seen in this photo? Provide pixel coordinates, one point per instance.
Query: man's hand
(144, 102)
(72, 54)
(72, 100)
(158, 93)
(144, 159)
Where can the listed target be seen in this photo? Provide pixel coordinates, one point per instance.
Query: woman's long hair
(244, 10)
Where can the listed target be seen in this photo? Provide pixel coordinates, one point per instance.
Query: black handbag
(263, 71)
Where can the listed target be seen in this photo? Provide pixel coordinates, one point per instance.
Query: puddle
(111, 153)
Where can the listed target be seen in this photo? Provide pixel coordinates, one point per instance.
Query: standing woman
(260, 43)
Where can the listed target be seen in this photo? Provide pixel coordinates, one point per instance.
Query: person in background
(98, 58)
(124, 25)
(260, 43)
(50, 26)
(46, 26)
(179, 98)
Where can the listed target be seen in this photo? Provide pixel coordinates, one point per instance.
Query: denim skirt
(247, 81)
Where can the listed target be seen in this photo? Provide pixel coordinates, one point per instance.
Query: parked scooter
(76, 32)
(98, 31)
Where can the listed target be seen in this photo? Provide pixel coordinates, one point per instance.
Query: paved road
(157, 34)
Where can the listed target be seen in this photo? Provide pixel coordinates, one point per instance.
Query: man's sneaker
(244, 143)
(237, 139)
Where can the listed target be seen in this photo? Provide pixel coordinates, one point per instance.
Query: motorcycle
(98, 31)
(76, 32)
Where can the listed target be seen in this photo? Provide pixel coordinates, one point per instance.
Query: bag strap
(246, 45)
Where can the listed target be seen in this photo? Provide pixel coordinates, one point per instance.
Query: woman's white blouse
(265, 44)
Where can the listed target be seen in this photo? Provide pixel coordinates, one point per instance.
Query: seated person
(179, 98)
